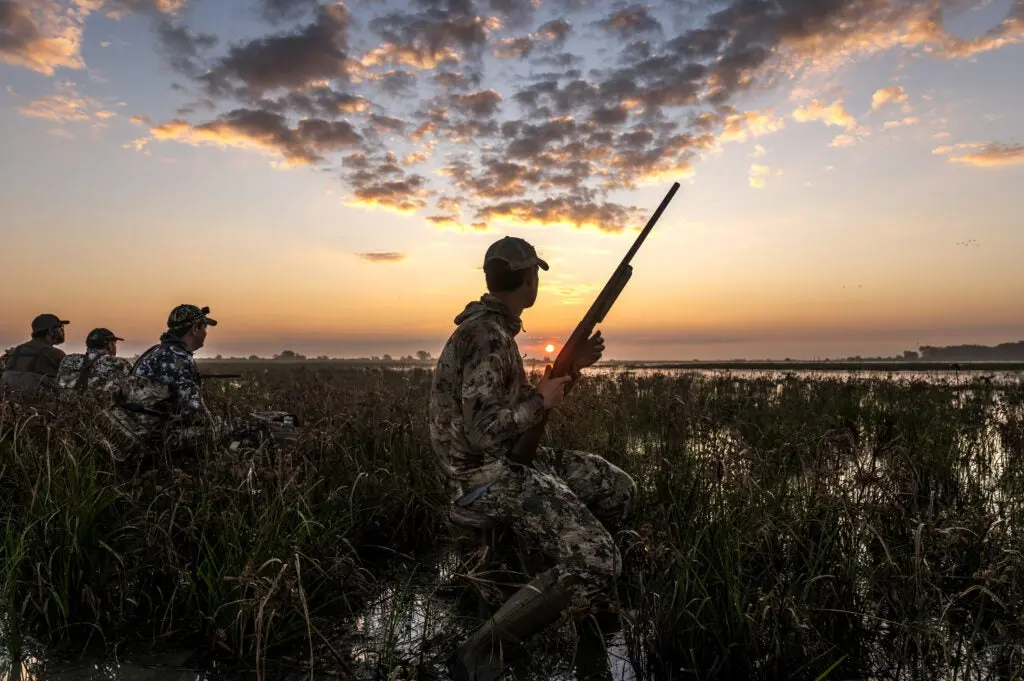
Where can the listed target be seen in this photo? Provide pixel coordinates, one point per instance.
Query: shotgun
(525, 447)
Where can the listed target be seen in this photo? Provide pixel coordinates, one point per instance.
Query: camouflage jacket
(171, 364)
(105, 373)
(480, 400)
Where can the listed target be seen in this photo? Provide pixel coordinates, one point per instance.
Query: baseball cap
(186, 315)
(45, 322)
(518, 253)
(99, 338)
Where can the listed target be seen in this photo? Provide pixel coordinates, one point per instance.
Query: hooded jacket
(480, 401)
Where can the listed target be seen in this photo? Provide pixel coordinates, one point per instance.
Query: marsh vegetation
(787, 528)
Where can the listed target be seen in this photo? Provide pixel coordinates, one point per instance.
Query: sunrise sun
(549, 348)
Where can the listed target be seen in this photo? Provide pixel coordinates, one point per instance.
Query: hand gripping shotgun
(525, 447)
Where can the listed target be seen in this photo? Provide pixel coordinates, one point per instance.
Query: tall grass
(787, 528)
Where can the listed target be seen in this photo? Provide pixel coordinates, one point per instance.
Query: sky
(327, 176)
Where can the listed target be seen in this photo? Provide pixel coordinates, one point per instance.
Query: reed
(787, 527)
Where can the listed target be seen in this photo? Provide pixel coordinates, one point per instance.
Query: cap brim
(543, 265)
(64, 321)
(210, 322)
(118, 338)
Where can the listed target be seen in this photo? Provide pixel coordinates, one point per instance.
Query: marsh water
(407, 630)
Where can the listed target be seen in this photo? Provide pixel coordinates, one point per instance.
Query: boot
(484, 655)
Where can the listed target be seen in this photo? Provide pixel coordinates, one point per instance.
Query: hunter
(567, 503)
(163, 408)
(99, 371)
(33, 366)
(163, 405)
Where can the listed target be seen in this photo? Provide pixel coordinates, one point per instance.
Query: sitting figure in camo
(99, 371)
(564, 504)
(162, 408)
(163, 405)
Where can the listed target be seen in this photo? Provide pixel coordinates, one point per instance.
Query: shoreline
(751, 365)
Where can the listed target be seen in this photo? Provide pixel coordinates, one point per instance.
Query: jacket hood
(170, 339)
(488, 305)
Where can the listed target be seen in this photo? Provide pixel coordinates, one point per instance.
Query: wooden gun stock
(525, 448)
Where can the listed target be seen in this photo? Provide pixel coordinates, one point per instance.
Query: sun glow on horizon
(549, 348)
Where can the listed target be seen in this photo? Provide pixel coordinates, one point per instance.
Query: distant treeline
(1004, 352)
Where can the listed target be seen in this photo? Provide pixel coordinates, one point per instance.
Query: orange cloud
(991, 155)
(895, 94)
(66, 105)
(263, 131)
(218, 135)
(834, 114)
(42, 35)
(871, 28)
(400, 196)
(842, 141)
(888, 125)
(736, 127)
(759, 174)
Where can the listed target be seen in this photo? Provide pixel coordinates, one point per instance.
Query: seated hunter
(32, 367)
(99, 372)
(163, 404)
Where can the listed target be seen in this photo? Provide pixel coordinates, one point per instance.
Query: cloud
(895, 94)
(515, 48)
(556, 31)
(295, 60)
(610, 217)
(382, 256)
(263, 130)
(453, 223)
(759, 174)
(737, 126)
(118, 9)
(834, 114)
(276, 11)
(910, 120)
(630, 22)
(842, 141)
(67, 105)
(480, 104)
(404, 195)
(426, 39)
(522, 128)
(41, 35)
(991, 155)
(182, 47)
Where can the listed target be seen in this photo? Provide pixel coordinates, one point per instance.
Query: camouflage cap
(45, 322)
(518, 253)
(99, 338)
(185, 316)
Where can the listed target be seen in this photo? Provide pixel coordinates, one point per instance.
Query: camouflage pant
(559, 506)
